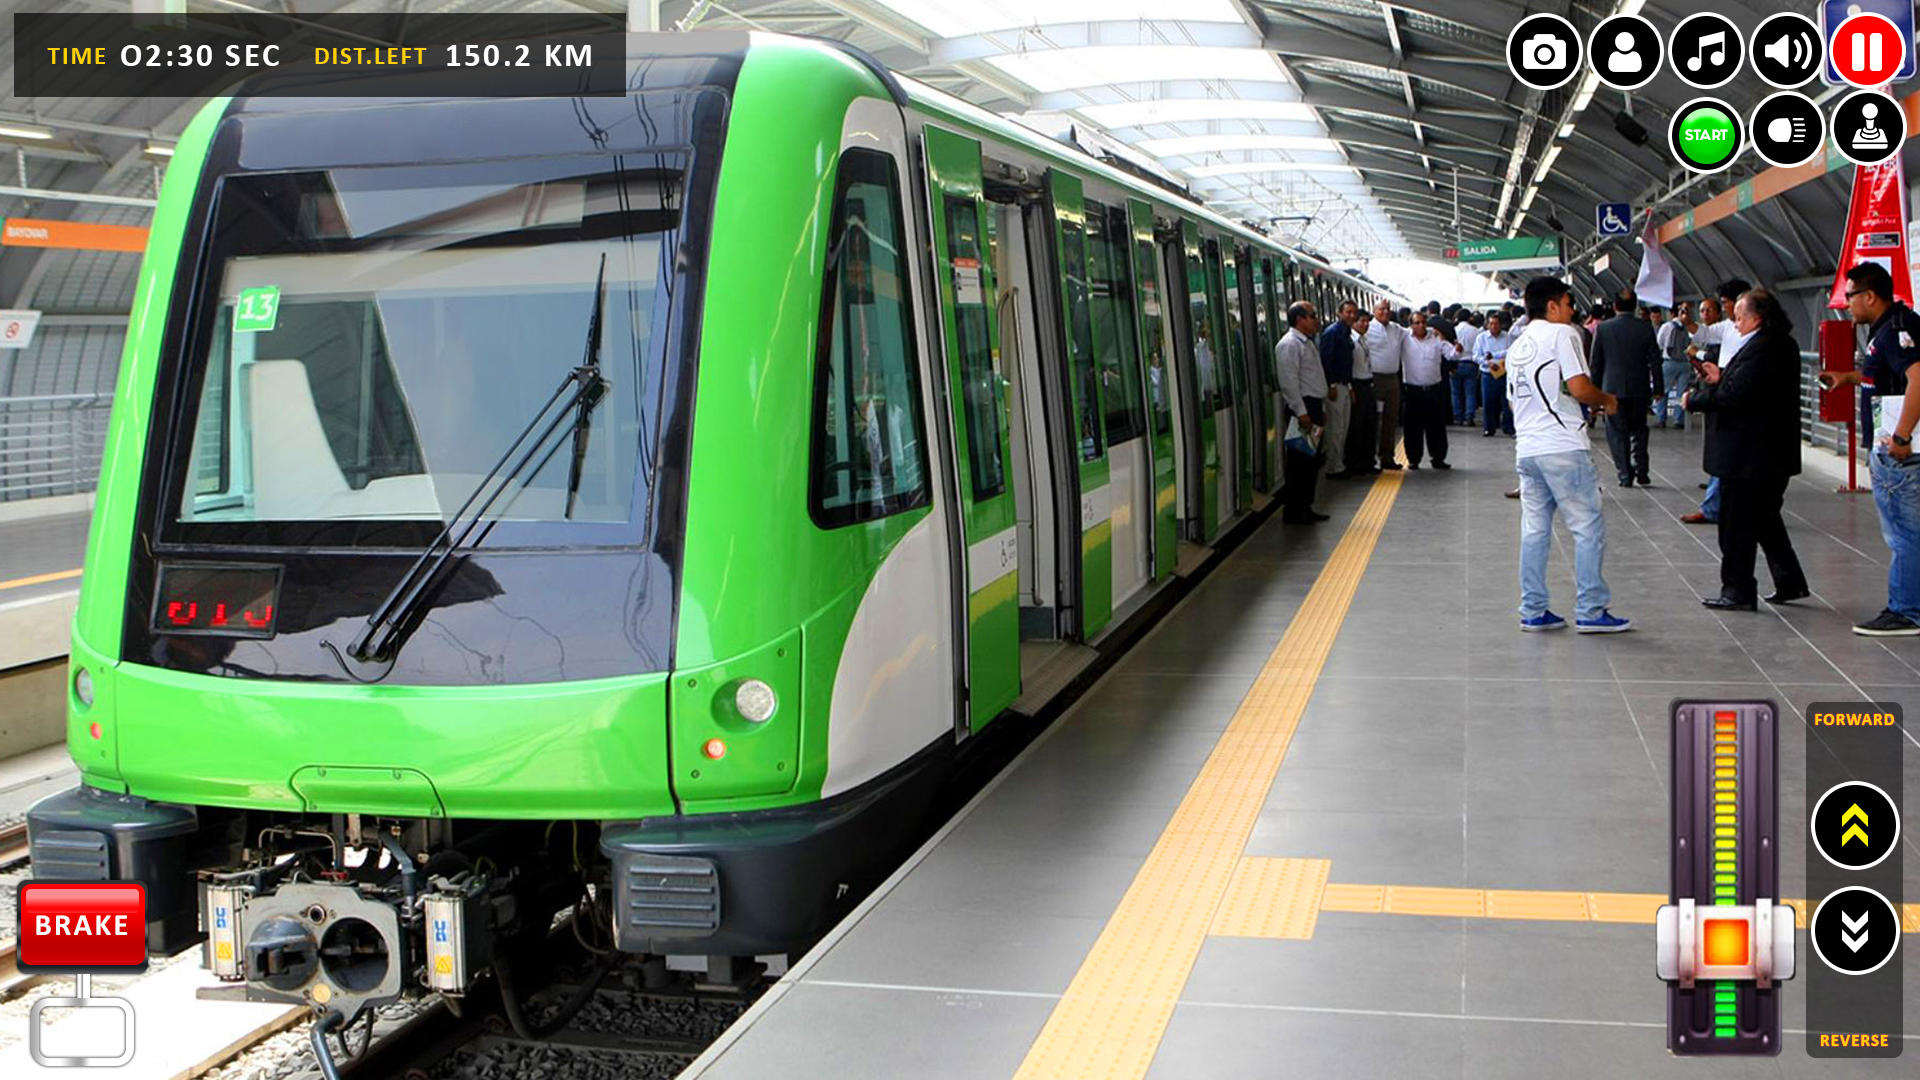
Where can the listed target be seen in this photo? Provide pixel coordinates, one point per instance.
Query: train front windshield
(379, 336)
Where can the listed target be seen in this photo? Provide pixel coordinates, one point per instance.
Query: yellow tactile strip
(1109, 1023)
(1273, 898)
(1279, 886)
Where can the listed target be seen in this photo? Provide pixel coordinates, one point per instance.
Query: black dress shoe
(1413, 465)
(1788, 596)
(1627, 483)
(1441, 465)
(1728, 603)
(1392, 466)
(1643, 481)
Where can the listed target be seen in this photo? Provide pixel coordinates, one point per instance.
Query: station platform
(42, 543)
(1337, 817)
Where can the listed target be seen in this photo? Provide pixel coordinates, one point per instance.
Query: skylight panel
(1184, 145)
(1142, 113)
(1051, 70)
(957, 18)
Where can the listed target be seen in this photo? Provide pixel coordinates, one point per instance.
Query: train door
(1030, 407)
(1116, 344)
(1232, 284)
(1156, 351)
(1227, 355)
(1093, 581)
(1202, 430)
(977, 400)
(1271, 317)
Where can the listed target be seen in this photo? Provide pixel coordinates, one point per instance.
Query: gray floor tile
(1611, 854)
(1366, 790)
(1561, 971)
(1015, 883)
(899, 947)
(1205, 1042)
(1352, 962)
(1519, 1050)
(831, 1031)
(1368, 848)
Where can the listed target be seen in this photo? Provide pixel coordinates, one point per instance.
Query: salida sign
(1510, 253)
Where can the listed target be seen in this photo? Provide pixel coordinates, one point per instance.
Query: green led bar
(1726, 863)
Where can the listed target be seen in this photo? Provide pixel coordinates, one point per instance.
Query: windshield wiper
(583, 418)
(582, 388)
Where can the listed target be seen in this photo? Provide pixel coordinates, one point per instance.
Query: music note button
(1706, 50)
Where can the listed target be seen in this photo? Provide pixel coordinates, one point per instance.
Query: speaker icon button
(1786, 50)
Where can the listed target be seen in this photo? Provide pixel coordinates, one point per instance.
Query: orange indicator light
(715, 749)
(1723, 943)
(93, 729)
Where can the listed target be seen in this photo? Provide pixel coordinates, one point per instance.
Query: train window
(1116, 345)
(1225, 349)
(1073, 245)
(1159, 396)
(979, 382)
(1236, 342)
(1206, 369)
(374, 338)
(869, 451)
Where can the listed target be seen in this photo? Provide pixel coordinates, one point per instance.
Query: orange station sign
(73, 235)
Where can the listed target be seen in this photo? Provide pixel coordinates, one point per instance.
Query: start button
(1706, 135)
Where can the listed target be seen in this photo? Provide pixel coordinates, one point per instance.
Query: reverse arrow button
(1853, 924)
(1855, 930)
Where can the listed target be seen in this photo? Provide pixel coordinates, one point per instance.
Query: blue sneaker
(1605, 623)
(1546, 620)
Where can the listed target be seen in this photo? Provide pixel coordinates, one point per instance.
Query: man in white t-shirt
(1547, 382)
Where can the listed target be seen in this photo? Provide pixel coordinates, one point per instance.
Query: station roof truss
(1356, 129)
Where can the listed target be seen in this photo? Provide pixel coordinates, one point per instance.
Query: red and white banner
(1876, 229)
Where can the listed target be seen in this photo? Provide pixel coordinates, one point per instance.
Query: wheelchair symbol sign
(1613, 219)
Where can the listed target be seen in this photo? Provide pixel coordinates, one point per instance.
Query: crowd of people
(1370, 387)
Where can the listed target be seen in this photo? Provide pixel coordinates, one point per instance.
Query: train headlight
(83, 687)
(755, 700)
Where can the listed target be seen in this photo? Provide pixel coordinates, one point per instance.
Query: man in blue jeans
(1489, 352)
(1547, 380)
(1892, 350)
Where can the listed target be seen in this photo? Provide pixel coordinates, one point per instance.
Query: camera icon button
(1544, 51)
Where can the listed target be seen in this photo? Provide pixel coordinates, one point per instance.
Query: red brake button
(82, 927)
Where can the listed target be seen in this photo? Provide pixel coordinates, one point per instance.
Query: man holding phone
(1551, 453)
(1892, 350)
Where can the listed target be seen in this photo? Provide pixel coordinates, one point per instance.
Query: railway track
(13, 851)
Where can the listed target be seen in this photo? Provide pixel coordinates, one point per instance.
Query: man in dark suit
(1626, 364)
(1752, 404)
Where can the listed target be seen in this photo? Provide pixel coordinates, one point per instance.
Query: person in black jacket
(1626, 363)
(1752, 404)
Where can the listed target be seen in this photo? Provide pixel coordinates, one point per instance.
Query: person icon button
(1627, 51)
(1624, 60)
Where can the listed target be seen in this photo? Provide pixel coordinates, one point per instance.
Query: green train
(633, 504)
